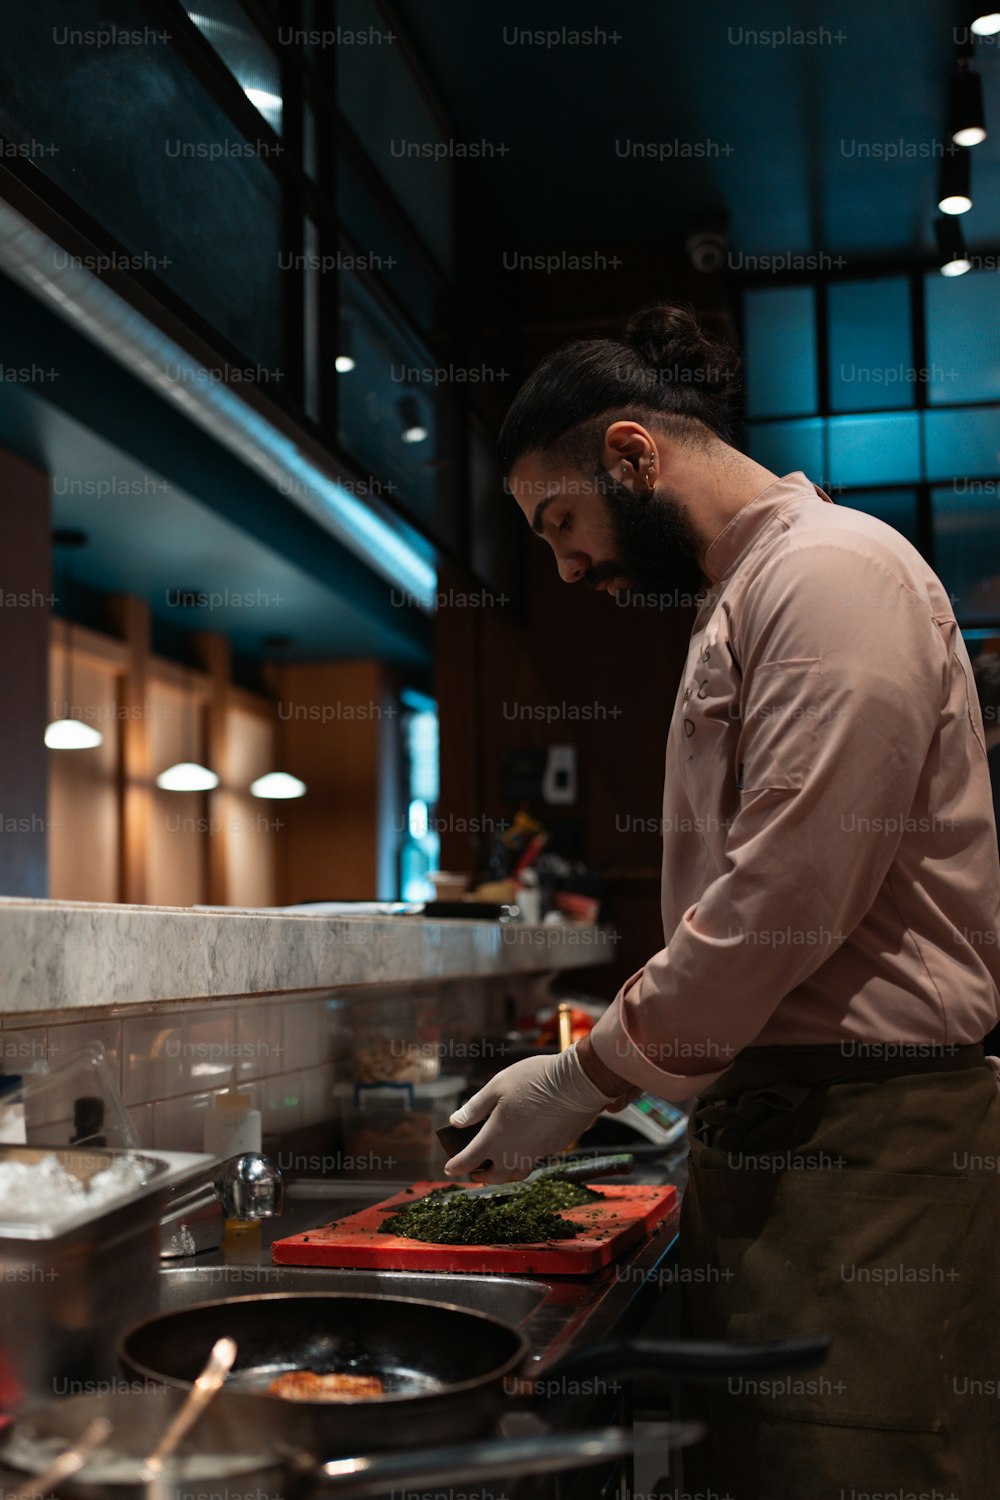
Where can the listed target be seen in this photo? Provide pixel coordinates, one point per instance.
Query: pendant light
(69, 732)
(966, 116)
(986, 23)
(345, 360)
(412, 424)
(954, 258)
(278, 785)
(187, 775)
(954, 196)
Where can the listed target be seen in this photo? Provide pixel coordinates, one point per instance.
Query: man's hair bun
(671, 341)
(664, 365)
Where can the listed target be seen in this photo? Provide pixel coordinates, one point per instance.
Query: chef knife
(455, 1138)
(567, 1171)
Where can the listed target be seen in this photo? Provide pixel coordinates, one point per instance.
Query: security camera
(706, 250)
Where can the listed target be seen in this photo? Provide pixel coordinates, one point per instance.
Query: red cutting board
(622, 1216)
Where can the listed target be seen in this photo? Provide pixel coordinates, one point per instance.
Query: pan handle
(703, 1362)
(494, 1458)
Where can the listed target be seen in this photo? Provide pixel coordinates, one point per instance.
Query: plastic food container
(388, 1129)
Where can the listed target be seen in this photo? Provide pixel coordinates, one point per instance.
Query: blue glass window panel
(389, 368)
(389, 114)
(226, 25)
(146, 153)
(784, 447)
(963, 442)
(963, 337)
(870, 354)
(881, 449)
(898, 508)
(779, 337)
(966, 555)
(392, 254)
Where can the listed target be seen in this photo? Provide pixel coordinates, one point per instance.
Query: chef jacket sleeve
(844, 673)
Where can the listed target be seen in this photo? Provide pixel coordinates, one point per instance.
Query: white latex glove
(536, 1107)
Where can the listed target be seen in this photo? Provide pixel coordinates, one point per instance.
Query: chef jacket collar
(736, 536)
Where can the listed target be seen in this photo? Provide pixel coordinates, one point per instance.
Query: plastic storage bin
(388, 1129)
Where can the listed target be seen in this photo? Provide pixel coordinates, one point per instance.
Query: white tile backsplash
(21, 1050)
(179, 1124)
(260, 1040)
(208, 1048)
(141, 1116)
(279, 1100)
(152, 1059)
(317, 1095)
(290, 1052)
(305, 1033)
(67, 1041)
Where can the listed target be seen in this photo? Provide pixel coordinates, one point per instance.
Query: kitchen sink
(511, 1299)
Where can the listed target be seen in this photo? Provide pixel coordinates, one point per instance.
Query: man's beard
(656, 547)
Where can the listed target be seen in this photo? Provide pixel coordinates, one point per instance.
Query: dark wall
(607, 676)
(25, 586)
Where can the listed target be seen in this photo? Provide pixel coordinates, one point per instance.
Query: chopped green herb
(455, 1215)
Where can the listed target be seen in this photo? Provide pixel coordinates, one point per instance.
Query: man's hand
(536, 1107)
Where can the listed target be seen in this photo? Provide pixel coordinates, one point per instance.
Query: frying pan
(249, 1446)
(449, 1373)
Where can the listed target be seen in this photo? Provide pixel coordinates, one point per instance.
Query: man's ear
(628, 448)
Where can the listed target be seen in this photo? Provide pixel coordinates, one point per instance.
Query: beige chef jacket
(830, 870)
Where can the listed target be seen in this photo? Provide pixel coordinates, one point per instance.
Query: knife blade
(577, 1170)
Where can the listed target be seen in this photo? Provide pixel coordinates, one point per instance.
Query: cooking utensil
(249, 1445)
(67, 1463)
(207, 1385)
(573, 1171)
(448, 1373)
(443, 1369)
(500, 1458)
(455, 1138)
(609, 1225)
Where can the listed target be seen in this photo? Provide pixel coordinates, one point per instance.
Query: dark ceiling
(828, 146)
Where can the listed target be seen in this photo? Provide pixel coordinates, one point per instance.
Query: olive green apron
(856, 1196)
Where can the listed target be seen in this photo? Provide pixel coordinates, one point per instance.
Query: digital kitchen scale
(655, 1119)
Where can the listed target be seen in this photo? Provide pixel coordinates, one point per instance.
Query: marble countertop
(69, 955)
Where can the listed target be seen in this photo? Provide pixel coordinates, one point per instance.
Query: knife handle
(455, 1138)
